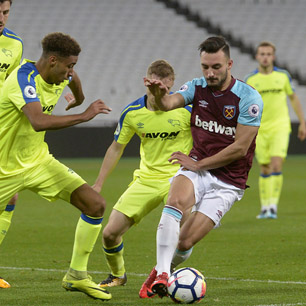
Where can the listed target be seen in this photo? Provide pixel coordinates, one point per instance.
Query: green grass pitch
(246, 261)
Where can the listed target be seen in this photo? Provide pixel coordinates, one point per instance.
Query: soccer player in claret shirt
(160, 133)
(11, 52)
(274, 85)
(28, 97)
(225, 119)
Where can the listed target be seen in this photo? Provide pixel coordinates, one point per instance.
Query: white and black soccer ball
(186, 286)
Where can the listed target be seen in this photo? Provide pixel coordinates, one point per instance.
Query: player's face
(168, 82)
(62, 68)
(4, 14)
(216, 69)
(265, 56)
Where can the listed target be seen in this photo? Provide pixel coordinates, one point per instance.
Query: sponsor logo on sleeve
(253, 110)
(117, 132)
(184, 87)
(30, 92)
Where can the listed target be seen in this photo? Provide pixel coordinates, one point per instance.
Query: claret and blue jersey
(214, 120)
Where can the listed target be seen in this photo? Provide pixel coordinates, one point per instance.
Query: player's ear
(229, 64)
(53, 60)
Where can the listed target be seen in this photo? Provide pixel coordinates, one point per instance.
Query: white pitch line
(142, 275)
(257, 281)
(295, 304)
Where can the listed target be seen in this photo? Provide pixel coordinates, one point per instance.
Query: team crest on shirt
(30, 92)
(7, 52)
(229, 111)
(174, 122)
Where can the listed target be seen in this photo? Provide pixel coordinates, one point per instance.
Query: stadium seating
(252, 21)
(120, 38)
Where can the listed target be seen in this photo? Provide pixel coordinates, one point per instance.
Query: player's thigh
(262, 151)
(141, 197)
(279, 144)
(216, 203)
(9, 186)
(90, 202)
(196, 227)
(53, 180)
(272, 143)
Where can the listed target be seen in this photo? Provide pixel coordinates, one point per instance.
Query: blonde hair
(266, 44)
(162, 69)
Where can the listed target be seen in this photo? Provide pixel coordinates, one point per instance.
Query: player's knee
(97, 207)
(93, 206)
(176, 202)
(109, 237)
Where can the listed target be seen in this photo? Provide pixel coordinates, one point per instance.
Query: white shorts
(213, 197)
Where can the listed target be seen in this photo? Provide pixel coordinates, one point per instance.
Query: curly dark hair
(60, 44)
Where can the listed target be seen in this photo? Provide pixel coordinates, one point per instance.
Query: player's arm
(43, 122)
(77, 96)
(164, 101)
(297, 107)
(235, 151)
(110, 161)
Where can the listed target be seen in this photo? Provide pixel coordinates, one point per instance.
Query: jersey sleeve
(23, 91)
(188, 89)
(124, 131)
(250, 109)
(289, 88)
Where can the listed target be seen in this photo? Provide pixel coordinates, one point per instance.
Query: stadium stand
(119, 38)
(251, 21)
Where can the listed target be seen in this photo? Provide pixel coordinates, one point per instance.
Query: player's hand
(71, 101)
(156, 87)
(184, 160)
(95, 108)
(302, 131)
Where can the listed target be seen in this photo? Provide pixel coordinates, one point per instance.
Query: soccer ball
(186, 286)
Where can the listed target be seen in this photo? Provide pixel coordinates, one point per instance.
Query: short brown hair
(60, 44)
(266, 44)
(162, 69)
(214, 44)
(10, 1)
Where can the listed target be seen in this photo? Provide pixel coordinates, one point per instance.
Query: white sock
(167, 238)
(179, 257)
(274, 207)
